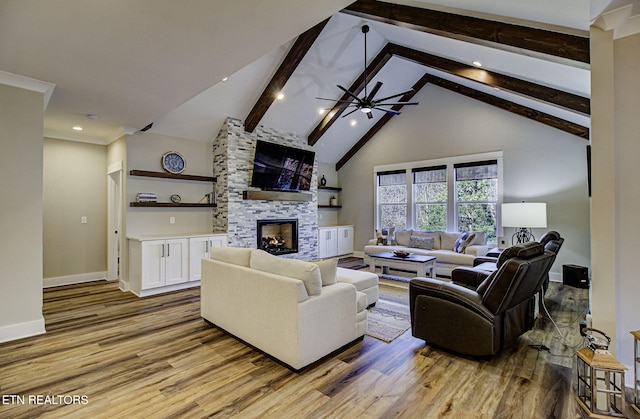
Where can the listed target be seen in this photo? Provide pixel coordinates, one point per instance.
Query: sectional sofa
(450, 249)
(295, 311)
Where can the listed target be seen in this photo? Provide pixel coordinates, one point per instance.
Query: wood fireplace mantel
(277, 196)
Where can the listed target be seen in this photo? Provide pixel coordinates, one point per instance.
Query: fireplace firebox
(278, 237)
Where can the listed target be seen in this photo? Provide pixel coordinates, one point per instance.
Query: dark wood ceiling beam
(334, 113)
(557, 44)
(532, 90)
(381, 122)
(292, 60)
(541, 117)
(550, 120)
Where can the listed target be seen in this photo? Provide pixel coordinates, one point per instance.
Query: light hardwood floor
(122, 356)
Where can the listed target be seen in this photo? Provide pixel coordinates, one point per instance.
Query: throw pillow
(463, 241)
(307, 272)
(421, 242)
(328, 270)
(435, 235)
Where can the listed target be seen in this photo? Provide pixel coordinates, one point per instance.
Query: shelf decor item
(175, 198)
(323, 181)
(173, 162)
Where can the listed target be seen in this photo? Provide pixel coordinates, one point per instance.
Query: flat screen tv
(282, 168)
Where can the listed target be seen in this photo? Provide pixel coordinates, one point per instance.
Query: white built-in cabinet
(161, 264)
(335, 241)
(199, 248)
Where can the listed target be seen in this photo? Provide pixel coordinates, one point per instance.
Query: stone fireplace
(278, 237)
(233, 151)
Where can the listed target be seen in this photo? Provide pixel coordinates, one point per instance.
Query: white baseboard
(73, 279)
(358, 254)
(22, 330)
(555, 276)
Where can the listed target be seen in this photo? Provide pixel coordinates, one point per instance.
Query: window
(451, 194)
(430, 198)
(477, 197)
(392, 199)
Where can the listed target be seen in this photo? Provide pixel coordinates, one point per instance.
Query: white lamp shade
(524, 214)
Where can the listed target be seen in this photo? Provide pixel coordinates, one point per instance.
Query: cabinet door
(345, 240)
(198, 249)
(176, 261)
(218, 241)
(153, 266)
(327, 242)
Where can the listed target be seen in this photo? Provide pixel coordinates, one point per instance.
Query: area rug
(389, 318)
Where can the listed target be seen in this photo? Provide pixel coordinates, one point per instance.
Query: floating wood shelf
(165, 175)
(277, 196)
(171, 204)
(330, 188)
(330, 206)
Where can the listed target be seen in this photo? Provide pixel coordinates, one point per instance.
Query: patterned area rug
(389, 318)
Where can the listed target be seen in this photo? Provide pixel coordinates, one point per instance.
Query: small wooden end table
(418, 263)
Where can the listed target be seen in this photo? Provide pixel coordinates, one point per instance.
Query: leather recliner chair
(483, 266)
(483, 321)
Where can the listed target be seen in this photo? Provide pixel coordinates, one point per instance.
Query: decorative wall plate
(173, 162)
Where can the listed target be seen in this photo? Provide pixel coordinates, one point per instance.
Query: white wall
(540, 163)
(144, 152)
(75, 186)
(21, 116)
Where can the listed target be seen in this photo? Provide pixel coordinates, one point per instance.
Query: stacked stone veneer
(233, 152)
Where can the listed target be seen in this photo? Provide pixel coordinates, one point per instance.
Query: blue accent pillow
(463, 241)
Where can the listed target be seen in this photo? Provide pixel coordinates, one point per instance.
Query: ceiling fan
(368, 103)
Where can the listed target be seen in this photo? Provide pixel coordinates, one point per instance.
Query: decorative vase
(333, 201)
(323, 181)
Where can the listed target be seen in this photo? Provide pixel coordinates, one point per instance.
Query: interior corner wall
(75, 186)
(21, 136)
(540, 164)
(615, 150)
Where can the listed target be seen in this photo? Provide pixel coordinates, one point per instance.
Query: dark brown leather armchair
(482, 321)
(483, 266)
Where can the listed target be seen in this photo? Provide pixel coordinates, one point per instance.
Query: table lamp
(524, 216)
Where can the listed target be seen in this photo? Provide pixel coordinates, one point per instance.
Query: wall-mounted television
(282, 168)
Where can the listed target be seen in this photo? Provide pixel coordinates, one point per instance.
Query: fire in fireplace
(278, 237)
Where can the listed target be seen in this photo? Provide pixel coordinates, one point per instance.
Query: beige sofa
(295, 311)
(443, 248)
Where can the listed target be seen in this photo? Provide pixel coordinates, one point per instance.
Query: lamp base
(522, 235)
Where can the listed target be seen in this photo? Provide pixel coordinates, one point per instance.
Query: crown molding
(28, 83)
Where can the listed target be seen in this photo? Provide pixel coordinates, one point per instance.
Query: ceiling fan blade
(349, 113)
(374, 91)
(334, 100)
(391, 111)
(397, 103)
(396, 95)
(348, 92)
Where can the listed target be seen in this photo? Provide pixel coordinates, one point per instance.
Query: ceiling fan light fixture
(365, 110)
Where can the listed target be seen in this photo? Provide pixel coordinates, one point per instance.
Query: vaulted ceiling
(162, 62)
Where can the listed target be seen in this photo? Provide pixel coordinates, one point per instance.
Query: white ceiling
(162, 61)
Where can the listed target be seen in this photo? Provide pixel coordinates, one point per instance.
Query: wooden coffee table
(417, 263)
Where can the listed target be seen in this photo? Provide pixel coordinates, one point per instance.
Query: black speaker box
(575, 276)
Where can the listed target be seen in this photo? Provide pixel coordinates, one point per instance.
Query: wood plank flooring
(109, 354)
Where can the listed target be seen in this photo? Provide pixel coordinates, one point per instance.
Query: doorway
(114, 221)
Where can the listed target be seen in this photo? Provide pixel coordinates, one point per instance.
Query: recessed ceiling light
(353, 122)
(280, 96)
(322, 111)
(477, 63)
(76, 128)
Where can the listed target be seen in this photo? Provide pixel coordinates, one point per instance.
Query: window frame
(449, 162)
